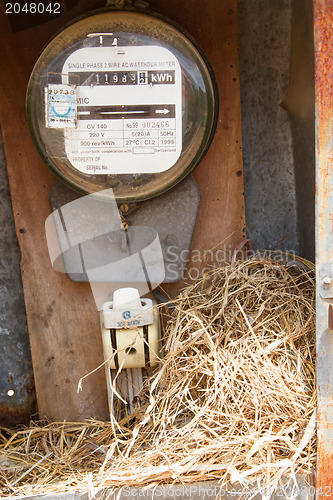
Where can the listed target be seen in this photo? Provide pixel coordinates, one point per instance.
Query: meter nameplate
(60, 106)
(129, 110)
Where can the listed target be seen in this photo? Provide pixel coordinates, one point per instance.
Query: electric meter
(122, 99)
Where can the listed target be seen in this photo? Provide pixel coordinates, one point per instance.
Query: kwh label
(165, 77)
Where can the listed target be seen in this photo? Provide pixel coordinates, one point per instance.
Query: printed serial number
(156, 124)
(61, 92)
(32, 8)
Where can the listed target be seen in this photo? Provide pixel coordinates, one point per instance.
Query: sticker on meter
(60, 106)
(129, 110)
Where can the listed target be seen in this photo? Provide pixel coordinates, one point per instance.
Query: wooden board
(62, 319)
(221, 220)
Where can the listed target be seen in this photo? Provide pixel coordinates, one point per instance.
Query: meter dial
(124, 100)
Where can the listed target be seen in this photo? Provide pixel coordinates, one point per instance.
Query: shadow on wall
(300, 104)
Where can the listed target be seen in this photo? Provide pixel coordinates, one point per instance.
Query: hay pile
(233, 400)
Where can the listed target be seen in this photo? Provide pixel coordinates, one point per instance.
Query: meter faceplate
(128, 109)
(122, 100)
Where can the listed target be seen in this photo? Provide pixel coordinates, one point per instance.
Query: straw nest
(232, 400)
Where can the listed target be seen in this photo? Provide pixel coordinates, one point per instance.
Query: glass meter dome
(122, 99)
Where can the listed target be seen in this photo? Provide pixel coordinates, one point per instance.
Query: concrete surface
(208, 490)
(264, 57)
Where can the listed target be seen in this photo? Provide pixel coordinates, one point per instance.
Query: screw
(124, 208)
(327, 280)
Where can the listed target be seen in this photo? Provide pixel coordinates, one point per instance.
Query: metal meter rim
(211, 115)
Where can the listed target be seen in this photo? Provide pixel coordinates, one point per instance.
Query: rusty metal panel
(323, 32)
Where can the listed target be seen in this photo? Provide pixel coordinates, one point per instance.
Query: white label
(129, 110)
(60, 106)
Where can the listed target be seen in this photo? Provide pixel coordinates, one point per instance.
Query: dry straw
(233, 398)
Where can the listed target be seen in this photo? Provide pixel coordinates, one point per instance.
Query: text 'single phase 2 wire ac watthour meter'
(122, 101)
